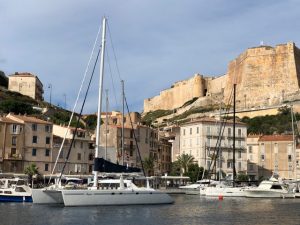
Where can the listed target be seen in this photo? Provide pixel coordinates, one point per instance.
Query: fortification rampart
(264, 76)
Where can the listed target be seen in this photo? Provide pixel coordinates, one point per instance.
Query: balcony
(10, 156)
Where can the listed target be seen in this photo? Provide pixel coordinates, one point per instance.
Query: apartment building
(11, 146)
(37, 141)
(252, 156)
(203, 137)
(139, 142)
(277, 154)
(26, 84)
(81, 154)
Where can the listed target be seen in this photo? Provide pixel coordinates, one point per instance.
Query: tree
(91, 122)
(31, 170)
(148, 165)
(184, 161)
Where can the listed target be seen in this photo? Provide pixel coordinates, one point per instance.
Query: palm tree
(148, 165)
(184, 161)
(31, 170)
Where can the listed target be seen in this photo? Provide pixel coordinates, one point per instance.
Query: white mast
(100, 98)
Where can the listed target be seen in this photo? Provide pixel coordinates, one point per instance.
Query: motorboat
(14, 190)
(268, 189)
(194, 189)
(222, 189)
(115, 192)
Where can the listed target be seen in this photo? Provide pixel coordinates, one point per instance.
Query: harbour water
(187, 210)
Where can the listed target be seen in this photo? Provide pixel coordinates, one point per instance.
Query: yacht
(14, 190)
(268, 189)
(115, 192)
(222, 189)
(195, 188)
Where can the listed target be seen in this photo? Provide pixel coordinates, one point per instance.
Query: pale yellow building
(202, 138)
(26, 84)
(11, 146)
(81, 156)
(277, 156)
(252, 156)
(37, 142)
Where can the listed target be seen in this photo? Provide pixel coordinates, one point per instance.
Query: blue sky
(156, 42)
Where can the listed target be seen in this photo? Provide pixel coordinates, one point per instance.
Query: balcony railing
(13, 156)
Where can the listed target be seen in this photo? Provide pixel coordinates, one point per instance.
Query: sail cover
(102, 165)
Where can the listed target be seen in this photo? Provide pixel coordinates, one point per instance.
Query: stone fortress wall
(264, 76)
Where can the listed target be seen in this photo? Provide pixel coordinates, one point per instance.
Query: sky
(150, 43)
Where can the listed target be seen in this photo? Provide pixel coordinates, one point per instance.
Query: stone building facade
(264, 76)
(26, 84)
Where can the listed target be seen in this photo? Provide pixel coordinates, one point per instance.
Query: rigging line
(79, 117)
(76, 102)
(112, 46)
(112, 80)
(137, 146)
(221, 132)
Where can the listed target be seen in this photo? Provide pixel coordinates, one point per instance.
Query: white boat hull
(44, 196)
(264, 193)
(116, 197)
(223, 192)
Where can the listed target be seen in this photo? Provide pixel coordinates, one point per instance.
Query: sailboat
(226, 189)
(119, 191)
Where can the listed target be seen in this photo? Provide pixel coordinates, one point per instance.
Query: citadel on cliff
(265, 76)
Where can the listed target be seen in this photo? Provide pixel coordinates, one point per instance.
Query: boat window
(20, 189)
(276, 187)
(1, 192)
(7, 192)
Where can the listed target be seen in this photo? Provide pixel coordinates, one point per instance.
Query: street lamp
(50, 87)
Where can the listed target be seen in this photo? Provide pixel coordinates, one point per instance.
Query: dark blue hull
(6, 198)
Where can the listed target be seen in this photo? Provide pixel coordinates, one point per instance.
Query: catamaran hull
(103, 197)
(42, 196)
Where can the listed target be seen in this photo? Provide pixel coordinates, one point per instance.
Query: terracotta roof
(28, 119)
(210, 120)
(276, 138)
(7, 120)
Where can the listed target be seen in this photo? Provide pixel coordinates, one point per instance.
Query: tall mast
(294, 145)
(100, 98)
(123, 97)
(106, 123)
(233, 145)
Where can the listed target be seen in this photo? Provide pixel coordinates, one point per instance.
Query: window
(78, 156)
(47, 128)
(46, 167)
(191, 130)
(239, 133)
(229, 131)
(61, 154)
(47, 152)
(197, 130)
(14, 141)
(208, 130)
(262, 157)
(34, 127)
(251, 168)
(81, 144)
(34, 152)
(250, 149)
(240, 154)
(91, 156)
(14, 128)
(183, 132)
(47, 140)
(239, 165)
(228, 164)
(34, 139)
(290, 158)
(13, 151)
